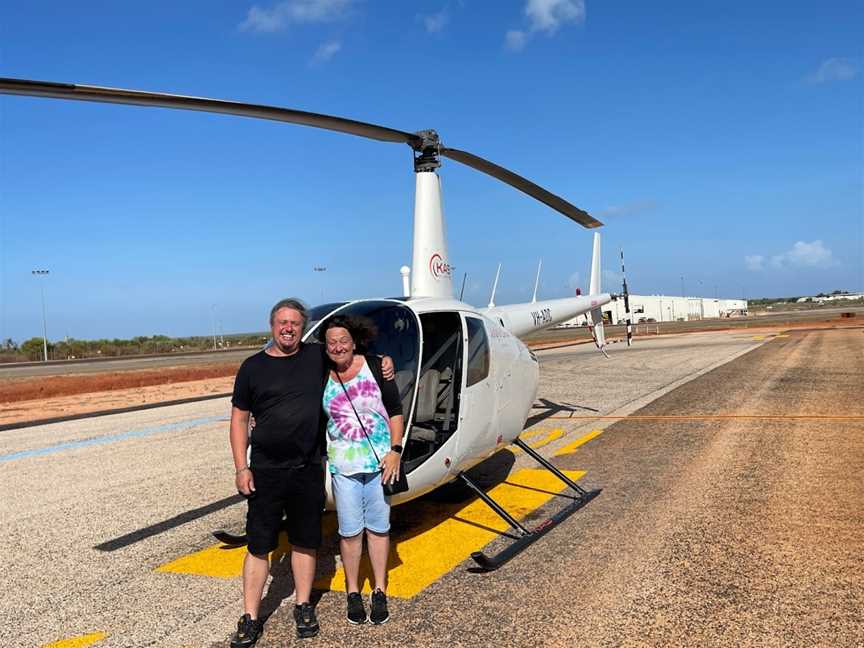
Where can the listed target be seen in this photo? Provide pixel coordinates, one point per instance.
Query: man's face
(287, 329)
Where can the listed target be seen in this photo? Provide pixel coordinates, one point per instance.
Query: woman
(364, 437)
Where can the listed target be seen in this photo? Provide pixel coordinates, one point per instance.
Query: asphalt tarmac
(723, 520)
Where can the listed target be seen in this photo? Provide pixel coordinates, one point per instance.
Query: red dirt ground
(29, 399)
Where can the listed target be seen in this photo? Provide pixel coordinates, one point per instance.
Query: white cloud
(573, 282)
(549, 15)
(754, 262)
(434, 23)
(515, 40)
(805, 255)
(325, 52)
(834, 69)
(545, 16)
(282, 14)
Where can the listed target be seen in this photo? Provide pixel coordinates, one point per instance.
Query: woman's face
(340, 345)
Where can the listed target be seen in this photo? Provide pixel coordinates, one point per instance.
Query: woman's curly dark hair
(361, 329)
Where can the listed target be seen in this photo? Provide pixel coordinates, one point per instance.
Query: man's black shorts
(298, 493)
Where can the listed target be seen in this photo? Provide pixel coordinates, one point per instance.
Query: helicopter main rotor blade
(424, 142)
(522, 184)
(181, 102)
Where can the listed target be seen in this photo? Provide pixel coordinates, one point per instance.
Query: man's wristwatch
(396, 448)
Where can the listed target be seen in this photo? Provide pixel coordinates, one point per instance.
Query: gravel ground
(718, 532)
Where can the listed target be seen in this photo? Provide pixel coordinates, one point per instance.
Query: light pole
(37, 274)
(213, 322)
(320, 269)
(682, 286)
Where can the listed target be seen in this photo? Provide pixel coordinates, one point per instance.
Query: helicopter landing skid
(527, 537)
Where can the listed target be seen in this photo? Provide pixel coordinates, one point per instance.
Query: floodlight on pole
(37, 274)
(320, 269)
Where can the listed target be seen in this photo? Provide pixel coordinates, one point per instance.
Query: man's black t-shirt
(284, 395)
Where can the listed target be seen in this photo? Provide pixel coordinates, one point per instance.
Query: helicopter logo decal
(438, 266)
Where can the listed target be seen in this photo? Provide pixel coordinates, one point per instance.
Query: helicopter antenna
(494, 288)
(462, 292)
(537, 281)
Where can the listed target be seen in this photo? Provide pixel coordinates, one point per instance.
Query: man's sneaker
(307, 624)
(356, 611)
(248, 631)
(379, 613)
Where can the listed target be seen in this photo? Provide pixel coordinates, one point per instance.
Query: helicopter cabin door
(478, 429)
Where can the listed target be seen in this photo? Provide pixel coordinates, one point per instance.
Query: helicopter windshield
(398, 336)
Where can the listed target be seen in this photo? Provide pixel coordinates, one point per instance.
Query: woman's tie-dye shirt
(348, 451)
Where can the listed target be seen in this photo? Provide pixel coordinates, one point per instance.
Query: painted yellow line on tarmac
(759, 337)
(429, 538)
(77, 642)
(548, 437)
(571, 447)
(221, 561)
(438, 537)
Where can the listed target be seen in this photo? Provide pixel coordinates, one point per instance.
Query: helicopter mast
(431, 272)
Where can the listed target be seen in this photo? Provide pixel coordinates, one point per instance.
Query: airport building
(666, 308)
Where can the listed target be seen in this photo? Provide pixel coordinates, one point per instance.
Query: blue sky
(720, 143)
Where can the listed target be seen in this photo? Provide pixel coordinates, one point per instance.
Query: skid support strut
(527, 537)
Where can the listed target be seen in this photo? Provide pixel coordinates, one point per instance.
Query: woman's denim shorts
(360, 504)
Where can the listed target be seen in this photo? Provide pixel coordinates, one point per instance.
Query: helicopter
(466, 380)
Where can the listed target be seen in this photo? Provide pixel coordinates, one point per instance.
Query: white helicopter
(467, 382)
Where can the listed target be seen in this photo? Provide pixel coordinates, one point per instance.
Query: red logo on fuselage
(438, 266)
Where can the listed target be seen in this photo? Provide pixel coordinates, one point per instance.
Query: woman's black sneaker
(248, 632)
(379, 613)
(356, 610)
(307, 624)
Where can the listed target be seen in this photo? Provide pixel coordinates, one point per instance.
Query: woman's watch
(396, 448)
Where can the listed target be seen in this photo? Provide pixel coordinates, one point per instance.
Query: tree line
(72, 349)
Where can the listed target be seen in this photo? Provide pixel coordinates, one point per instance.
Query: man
(282, 387)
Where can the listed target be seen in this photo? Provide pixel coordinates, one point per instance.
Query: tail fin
(596, 314)
(595, 267)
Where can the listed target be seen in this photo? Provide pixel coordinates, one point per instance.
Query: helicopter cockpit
(431, 402)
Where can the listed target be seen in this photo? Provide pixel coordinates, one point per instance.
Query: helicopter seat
(427, 396)
(427, 402)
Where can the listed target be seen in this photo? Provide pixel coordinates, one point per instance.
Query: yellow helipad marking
(549, 437)
(449, 533)
(77, 642)
(428, 541)
(221, 561)
(571, 447)
(759, 337)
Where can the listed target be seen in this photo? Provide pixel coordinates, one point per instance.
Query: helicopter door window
(478, 351)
